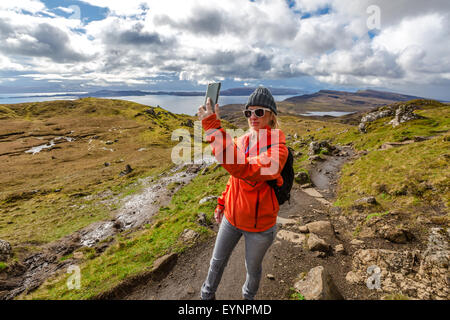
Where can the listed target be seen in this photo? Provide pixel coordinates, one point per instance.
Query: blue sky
(72, 45)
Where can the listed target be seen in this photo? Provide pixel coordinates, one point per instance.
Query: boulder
(437, 251)
(339, 248)
(418, 274)
(314, 148)
(285, 222)
(366, 200)
(302, 177)
(318, 285)
(396, 234)
(389, 111)
(321, 228)
(403, 114)
(206, 199)
(188, 235)
(296, 238)
(317, 244)
(193, 168)
(303, 229)
(127, 170)
(201, 219)
(5, 250)
(357, 242)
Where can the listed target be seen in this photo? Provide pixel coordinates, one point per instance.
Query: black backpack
(283, 193)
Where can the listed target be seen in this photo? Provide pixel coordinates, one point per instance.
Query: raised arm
(265, 166)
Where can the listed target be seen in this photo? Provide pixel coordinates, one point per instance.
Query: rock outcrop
(318, 285)
(317, 244)
(401, 113)
(5, 250)
(316, 147)
(416, 274)
(321, 228)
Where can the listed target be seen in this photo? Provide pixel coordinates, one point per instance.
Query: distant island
(228, 92)
(126, 93)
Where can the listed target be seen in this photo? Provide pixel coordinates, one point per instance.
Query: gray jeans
(256, 245)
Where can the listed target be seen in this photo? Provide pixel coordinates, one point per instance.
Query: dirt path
(284, 260)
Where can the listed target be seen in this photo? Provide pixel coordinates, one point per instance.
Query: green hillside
(409, 181)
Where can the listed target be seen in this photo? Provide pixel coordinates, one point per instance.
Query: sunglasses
(258, 112)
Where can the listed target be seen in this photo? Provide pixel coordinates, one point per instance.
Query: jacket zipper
(257, 205)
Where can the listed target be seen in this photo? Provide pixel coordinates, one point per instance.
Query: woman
(248, 203)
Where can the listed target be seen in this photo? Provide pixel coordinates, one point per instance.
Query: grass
(56, 192)
(3, 266)
(297, 296)
(308, 130)
(436, 120)
(396, 296)
(376, 214)
(409, 175)
(134, 254)
(413, 178)
(294, 295)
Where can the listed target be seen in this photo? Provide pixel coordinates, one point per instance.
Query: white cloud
(32, 6)
(201, 40)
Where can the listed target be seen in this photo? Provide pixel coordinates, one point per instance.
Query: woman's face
(258, 123)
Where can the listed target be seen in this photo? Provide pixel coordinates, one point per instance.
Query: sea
(176, 104)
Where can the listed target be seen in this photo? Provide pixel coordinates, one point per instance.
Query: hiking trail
(285, 259)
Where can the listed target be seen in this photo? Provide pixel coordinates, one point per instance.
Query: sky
(58, 46)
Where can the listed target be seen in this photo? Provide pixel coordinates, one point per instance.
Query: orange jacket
(250, 203)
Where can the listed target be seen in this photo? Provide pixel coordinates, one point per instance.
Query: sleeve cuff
(210, 122)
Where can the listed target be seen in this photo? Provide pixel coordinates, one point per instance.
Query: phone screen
(213, 92)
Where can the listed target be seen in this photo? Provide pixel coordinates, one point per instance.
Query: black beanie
(262, 97)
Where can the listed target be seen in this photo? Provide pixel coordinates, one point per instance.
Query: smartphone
(213, 92)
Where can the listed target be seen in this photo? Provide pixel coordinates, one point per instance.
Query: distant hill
(324, 100)
(228, 92)
(245, 91)
(331, 100)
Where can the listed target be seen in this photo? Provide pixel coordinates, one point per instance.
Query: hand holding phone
(212, 92)
(211, 99)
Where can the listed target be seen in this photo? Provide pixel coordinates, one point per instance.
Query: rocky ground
(315, 252)
(310, 237)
